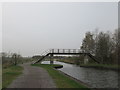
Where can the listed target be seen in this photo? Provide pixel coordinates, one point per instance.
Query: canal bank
(102, 67)
(93, 77)
(56, 67)
(96, 66)
(62, 81)
(80, 82)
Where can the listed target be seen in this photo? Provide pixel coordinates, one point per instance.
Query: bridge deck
(66, 52)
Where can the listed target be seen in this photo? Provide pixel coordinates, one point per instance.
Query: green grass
(102, 65)
(108, 66)
(0, 76)
(61, 80)
(9, 74)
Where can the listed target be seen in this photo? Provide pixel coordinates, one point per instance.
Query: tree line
(9, 59)
(105, 46)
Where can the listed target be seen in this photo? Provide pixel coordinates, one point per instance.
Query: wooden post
(14, 56)
(15, 59)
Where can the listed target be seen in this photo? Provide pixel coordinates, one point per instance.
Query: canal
(96, 78)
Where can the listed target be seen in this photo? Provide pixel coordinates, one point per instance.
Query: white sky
(29, 28)
(0, 27)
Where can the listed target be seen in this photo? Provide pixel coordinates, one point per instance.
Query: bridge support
(51, 59)
(86, 59)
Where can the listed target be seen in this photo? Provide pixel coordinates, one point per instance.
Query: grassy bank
(9, 74)
(102, 66)
(61, 80)
(93, 65)
(0, 76)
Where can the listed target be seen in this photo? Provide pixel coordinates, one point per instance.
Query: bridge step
(41, 58)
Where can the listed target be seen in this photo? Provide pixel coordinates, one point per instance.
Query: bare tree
(15, 58)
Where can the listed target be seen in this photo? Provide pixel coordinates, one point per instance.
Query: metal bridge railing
(62, 51)
(66, 51)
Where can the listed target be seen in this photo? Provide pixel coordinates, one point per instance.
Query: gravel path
(33, 77)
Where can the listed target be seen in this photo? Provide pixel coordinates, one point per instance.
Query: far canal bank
(93, 65)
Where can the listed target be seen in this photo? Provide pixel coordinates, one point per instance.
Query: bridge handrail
(62, 51)
(67, 51)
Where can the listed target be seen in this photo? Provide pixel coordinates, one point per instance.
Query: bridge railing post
(58, 50)
(68, 50)
(49, 50)
(73, 50)
(63, 50)
(52, 50)
(78, 50)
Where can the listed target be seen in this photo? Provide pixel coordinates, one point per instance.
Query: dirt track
(33, 77)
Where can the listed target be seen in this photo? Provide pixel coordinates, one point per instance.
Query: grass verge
(9, 74)
(104, 66)
(94, 65)
(61, 80)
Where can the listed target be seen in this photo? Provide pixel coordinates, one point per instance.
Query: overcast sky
(30, 28)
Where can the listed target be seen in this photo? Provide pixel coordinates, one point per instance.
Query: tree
(88, 44)
(103, 49)
(15, 58)
(116, 42)
(4, 55)
(105, 46)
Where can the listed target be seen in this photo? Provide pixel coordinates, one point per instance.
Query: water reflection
(94, 77)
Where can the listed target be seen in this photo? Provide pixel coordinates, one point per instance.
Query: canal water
(96, 78)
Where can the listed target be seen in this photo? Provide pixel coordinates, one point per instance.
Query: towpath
(33, 77)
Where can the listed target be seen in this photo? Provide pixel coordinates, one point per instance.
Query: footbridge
(53, 52)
